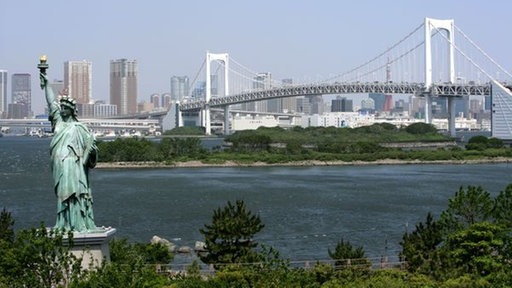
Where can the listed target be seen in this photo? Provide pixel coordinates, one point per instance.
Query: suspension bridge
(426, 63)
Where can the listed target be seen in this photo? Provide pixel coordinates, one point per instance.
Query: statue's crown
(69, 102)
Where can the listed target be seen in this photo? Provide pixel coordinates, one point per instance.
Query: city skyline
(299, 40)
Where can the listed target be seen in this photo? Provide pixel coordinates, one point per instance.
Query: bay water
(306, 210)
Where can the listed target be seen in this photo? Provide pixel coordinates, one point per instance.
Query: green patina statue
(73, 152)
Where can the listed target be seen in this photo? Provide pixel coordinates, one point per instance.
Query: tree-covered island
(378, 143)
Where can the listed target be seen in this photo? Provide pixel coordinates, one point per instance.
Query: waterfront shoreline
(309, 163)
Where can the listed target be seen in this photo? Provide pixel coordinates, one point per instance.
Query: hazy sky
(289, 38)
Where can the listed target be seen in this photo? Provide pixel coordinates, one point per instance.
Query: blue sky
(289, 38)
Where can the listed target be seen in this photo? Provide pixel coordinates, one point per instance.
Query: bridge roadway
(418, 89)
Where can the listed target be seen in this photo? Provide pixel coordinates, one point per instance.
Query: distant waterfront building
(252, 122)
(381, 102)
(78, 80)
(102, 110)
(57, 86)
(145, 107)
(85, 110)
(417, 107)
(317, 104)
(21, 96)
(3, 93)
(289, 104)
(155, 99)
(262, 81)
(199, 92)
(166, 100)
(214, 86)
(123, 85)
(337, 119)
(368, 104)
(341, 104)
(179, 87)
(303, 105)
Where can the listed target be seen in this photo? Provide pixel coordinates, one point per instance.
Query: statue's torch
(42, 67)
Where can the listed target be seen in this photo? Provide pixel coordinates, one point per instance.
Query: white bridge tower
(434, 25)
(205, 116)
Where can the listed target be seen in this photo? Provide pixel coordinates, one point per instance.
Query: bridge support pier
(205, 119)
(428, 109)
(226, 120)
(451, 116)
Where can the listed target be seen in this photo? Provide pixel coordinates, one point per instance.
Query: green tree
(502, 211)
(478, 142)
(40, 258)
(121, 251)
(476, 250)
(186, 130)
(419, 248)
(130, 266)
(6, 226)
(421, 128)
(466, 208)
(346, 255)
(229, 238)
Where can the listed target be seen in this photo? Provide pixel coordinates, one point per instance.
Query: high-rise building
(145, 107)
(78, 80)
(317, 104)
(123, 85)
(289, 104)
(341, 104)
(262, 81)
(102, 110)
(155, 99)
(379, 101)
(3, 93)
(367, 104)
(21, 95)
(57, 86)
(303, 105)
(166, 100)
(179, 87)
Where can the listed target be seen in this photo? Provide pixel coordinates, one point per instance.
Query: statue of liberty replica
(73, 152)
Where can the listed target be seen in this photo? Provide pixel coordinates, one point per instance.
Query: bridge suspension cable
(467, 57)
(376, 57)
(194, 82)
(483, 52)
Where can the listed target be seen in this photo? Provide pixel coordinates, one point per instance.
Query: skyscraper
(21, 96)
(179, 87)
(341, 104)
(155, 99)
(289, 104)
(379, 101)
(123, 85)
(78, 80)
(261, 81)
(3, 93)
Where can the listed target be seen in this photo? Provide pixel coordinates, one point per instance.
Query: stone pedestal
(92, 246)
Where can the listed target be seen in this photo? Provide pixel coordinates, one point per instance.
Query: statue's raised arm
(43, 78)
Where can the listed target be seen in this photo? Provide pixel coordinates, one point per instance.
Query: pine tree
(229, 238)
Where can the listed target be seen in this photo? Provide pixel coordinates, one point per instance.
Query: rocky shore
(199, 164)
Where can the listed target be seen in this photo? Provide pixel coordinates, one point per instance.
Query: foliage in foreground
(468, 246)
(472, 238)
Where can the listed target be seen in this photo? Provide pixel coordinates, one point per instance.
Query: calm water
(306, 210)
